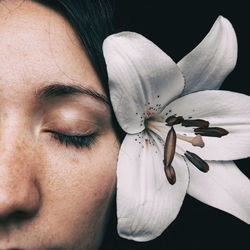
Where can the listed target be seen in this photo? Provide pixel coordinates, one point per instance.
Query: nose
(19, 190)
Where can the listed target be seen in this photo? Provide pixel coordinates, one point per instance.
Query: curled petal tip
(224, 20)
(206, 66)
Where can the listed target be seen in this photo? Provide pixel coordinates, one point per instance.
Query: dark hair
(92, 23)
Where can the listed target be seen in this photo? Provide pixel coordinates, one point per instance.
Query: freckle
(5, 114)
(74, 160)
(136, 113)
(158, 96)
(166, 113)
(190, 117)
(170, 111)
(135, 139)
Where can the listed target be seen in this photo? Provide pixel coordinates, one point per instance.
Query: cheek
(77, 188)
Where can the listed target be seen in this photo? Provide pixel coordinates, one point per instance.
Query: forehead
(39, 46)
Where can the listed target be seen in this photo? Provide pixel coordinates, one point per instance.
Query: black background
(177, 28)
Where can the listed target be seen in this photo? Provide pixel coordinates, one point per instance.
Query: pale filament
(196, 141)
(161, 129)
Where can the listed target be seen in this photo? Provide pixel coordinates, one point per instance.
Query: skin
(52, 196)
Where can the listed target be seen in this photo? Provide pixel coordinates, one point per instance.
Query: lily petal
(212, 60)
(224, 186)
(146, 202)
(224, 109)
(141, 76)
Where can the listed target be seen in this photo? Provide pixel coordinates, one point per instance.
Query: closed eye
(78, 141)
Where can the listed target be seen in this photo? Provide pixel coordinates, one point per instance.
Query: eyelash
(76, 141)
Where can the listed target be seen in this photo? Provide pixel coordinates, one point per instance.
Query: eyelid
(71, 129)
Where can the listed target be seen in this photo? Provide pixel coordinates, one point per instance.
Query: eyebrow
(61, 89)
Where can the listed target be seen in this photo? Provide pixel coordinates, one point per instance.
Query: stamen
(173, 120)
(213, 131)
(197, 161)
(195, 123)
(195, 141)
(169, 148)
(170, 174)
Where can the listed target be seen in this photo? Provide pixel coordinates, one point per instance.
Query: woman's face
(58, 149)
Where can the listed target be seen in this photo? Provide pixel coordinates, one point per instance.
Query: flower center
(196, 141)
(202, 129)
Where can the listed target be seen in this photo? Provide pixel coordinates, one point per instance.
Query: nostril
(19, 204)
(16, 217)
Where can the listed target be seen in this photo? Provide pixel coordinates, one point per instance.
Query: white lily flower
(174, 133)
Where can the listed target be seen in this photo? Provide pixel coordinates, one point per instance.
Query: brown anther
(197, 161)
(213, 131)
(146, 143)
(169, 148)
(195, 123)
(170, 174)
(173, 120)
